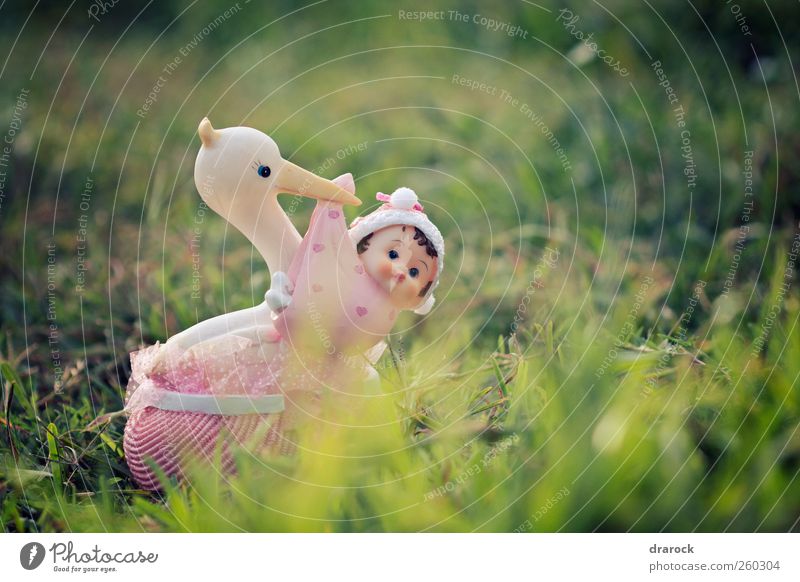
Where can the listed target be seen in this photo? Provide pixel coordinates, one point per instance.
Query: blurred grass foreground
(615, 342)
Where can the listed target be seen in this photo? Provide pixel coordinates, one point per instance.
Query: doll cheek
(385, 269)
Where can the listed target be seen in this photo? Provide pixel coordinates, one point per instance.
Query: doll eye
(413, 272)
(393, 254)
(264, 171)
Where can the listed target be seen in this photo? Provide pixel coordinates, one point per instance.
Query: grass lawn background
(615, 343)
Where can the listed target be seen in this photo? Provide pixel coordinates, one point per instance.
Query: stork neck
(268, 227)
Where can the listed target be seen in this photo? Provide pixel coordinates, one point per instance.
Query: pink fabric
(230, 364)
(337, 307)
(172, 439)
(337, 312)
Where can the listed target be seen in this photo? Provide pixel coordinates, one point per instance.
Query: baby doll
(405, 261)
(259, 374)
(349, 286)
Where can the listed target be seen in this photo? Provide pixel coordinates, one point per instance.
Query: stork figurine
(259, 374)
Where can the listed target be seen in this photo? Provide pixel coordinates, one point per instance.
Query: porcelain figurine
(258, 375)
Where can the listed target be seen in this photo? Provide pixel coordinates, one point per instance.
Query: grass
(622, 380)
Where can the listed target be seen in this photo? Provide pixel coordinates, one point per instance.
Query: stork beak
(208, 135)
(293, 179)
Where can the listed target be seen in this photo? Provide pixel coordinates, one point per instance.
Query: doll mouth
(396, 280)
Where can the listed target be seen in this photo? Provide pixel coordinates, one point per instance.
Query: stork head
(245, 164)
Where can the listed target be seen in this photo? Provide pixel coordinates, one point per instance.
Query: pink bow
(386, 198)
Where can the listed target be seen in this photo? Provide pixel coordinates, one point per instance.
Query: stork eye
(413, 272)
(393, 254)
(264, 171)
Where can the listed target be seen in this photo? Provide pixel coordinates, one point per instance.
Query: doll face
(400, 264)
